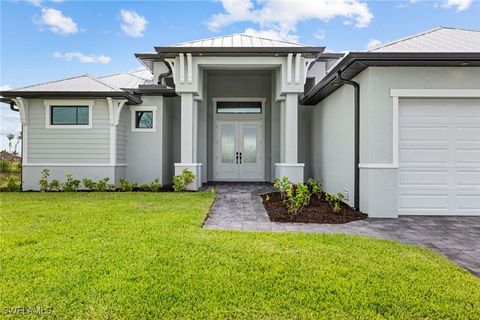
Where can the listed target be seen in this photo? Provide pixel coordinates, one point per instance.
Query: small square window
(144, 119)
(69, 115)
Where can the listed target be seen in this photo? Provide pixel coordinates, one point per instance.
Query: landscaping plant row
(70, 184)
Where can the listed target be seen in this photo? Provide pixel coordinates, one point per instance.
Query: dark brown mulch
(317, 211)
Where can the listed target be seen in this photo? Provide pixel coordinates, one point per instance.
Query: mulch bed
(317, 211)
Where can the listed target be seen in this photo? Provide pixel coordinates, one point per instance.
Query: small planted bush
(55, 185)
(103, 185)
(295, 196)
(71, 184)
(43, 182)
(282, 185)
(334, 201)
(181, 181)
(89, 184)
(315, 187)
(126, 186)
(154, 186)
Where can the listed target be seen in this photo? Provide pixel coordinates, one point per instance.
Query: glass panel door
(251, 160)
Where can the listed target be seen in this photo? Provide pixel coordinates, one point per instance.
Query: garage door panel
(422, 133)
(423, 155)
(439, 157)
(468, 203)
(469, 178)
(467, 156)
(423, 178)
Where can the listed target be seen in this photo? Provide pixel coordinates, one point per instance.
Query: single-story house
(396, 128)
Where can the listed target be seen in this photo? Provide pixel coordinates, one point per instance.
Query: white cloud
(36, 3)
(372, 43)
(133, 24)
(5, 87)
(320, 34)
(459, 4)
(271, 34)
(82, 58)
(283, 16)
(57, 22)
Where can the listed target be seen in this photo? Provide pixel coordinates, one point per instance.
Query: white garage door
(439, 157)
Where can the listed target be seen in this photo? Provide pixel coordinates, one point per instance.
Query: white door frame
(239, 118)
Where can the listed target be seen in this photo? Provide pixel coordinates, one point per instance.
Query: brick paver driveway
(239, 207)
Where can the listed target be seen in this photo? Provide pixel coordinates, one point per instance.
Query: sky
(49, 40)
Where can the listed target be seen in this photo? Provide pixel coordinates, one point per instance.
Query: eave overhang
(8, 95)
(355, 62)
(157, 90)
(170, 52)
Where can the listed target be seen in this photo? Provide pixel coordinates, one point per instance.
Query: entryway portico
(245, 145)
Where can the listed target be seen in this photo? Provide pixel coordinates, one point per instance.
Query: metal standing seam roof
(441, 39)
(129, 80)
(238, 40)
(83, 83)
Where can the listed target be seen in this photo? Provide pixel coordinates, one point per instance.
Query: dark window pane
(82, 115)
(69, 115)
(239, 107)
(144, 119)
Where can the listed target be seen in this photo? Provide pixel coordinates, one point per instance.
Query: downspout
(162, 76)
(356, 116)
(12, 107)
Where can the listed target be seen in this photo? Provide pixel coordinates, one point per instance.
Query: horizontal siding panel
(68, 145)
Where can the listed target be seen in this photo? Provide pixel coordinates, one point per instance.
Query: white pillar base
(196, 169)
(293, 171)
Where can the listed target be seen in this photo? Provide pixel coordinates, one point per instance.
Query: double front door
(239, 151)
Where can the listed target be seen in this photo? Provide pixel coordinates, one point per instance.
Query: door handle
(240, 157)
(236, 156)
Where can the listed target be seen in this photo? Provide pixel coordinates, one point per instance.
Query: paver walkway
(239, 207)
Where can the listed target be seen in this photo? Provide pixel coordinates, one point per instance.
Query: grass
(145, 255)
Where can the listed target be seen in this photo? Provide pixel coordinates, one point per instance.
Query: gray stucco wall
(144, 149)
(332, 130)
(239, 84)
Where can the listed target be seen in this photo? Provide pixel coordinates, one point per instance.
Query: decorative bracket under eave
(115, 107)
(22, 105)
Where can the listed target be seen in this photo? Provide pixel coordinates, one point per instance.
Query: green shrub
(181, 181)
(102, 185)
(334, 201)
(282, 186)
(55, 185)
(126, 186)
(155, 186)
(296, 198)
(110, 187)
(43, 182)
(5, 165)
(12, 184)
(89, 184)
(315, 187)
(71, 184)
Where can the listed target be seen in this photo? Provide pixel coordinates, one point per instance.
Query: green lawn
(145, 255)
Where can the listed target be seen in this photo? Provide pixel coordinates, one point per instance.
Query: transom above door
(239, 151)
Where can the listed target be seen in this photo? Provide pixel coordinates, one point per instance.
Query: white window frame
(134, 109)
(74, 103)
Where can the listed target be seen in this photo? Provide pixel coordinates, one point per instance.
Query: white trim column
(188, 147)
(289, 166)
